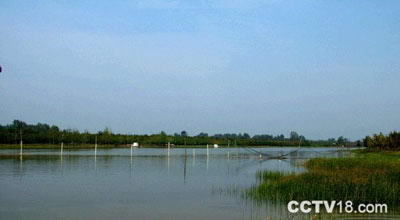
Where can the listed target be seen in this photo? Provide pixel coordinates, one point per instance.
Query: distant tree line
(42, 133)
(383, 142)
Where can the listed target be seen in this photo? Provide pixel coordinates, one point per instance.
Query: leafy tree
(342, 141)
(394, 139)
(294, 136)
(380, 141)
(184, 134)
(202, 135)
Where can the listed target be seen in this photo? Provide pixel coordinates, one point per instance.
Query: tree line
(42, 133)
(383, 142)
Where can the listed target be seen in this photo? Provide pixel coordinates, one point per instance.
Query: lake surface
(144, 184)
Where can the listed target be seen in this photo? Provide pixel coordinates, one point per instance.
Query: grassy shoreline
(368, 177)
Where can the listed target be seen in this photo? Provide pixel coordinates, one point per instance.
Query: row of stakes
(95, 149)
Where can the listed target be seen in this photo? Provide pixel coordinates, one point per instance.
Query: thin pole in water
(207, 158)
(168, 164)
(95, 153)
(169, 146)
(194, 156)
(61, 151)
(20, 152)
(299, 142)
(131, 158)
(184, 168)
(229, 142)
(62, 147)
(95, 146)
(61, 156)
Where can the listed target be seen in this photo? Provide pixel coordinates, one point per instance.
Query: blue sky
(322, 68)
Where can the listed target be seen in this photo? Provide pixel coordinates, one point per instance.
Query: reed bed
(366, 178)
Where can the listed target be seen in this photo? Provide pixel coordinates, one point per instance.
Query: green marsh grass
(365, 178)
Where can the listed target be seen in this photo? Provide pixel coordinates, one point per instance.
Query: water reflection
(139, 183)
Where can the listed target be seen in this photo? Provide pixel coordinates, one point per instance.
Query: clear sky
(321, 68)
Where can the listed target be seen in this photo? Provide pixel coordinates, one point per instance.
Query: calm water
(148, 184)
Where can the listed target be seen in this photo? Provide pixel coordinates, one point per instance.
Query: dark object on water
(0, 69)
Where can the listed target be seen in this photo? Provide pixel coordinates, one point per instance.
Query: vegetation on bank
(383, 142)
(52, 135)
(369, 177)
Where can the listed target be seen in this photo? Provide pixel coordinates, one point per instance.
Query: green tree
(294, 136)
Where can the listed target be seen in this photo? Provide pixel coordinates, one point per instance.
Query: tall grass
(367, 178)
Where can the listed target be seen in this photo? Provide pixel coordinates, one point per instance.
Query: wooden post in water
(131, 150)
(61, 151)
(95, 146)
(169, 147)
(20, 152)
(168, 160)
(95, 152)
(62, 147)
(194, 156)
(61, 155)
(131, 158)
(62, 144)
(229, 142)
(207, 158)
(184, 168)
